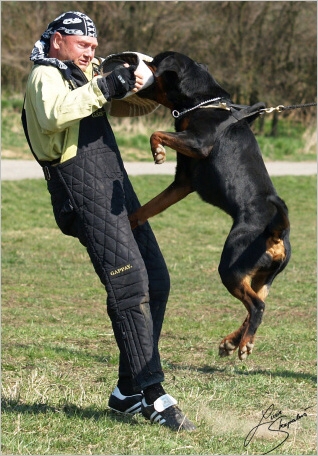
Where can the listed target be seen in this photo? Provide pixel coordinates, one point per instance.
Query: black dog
(218, 156)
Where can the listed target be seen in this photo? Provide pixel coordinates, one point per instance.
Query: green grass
(59, 357)
(295, 141)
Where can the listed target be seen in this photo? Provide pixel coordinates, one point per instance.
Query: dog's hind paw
(159, 154)
(245, 350)
(242, 354)
(226, 348)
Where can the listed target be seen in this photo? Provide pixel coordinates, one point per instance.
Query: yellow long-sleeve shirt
(54, 110)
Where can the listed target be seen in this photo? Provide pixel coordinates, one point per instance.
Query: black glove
(120, 81)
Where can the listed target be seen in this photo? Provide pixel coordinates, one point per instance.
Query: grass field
(59, 358)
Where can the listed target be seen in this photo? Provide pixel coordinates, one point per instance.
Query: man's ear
(56, 39)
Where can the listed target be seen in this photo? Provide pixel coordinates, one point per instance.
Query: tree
(256, 50)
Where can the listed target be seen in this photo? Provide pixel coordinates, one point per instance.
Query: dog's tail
(280, 221)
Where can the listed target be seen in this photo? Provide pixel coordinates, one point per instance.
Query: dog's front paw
(159, 154)
(135, 221)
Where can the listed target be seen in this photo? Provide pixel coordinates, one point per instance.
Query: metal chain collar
(176, 114)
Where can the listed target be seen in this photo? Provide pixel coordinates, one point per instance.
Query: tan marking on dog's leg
(257, 281)
(275, 248)
(263, 292)
(246, 294)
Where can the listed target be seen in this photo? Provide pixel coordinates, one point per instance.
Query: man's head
(80, 49)
(71, 36)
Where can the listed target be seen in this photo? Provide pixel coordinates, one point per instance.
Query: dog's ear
(170, 63)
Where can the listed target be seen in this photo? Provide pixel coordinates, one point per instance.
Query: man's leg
(106, 233)
(159, 287)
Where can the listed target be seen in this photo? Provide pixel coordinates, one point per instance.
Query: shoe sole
(130, 411)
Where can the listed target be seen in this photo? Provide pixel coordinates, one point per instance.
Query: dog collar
(176, 114)
(239, 112)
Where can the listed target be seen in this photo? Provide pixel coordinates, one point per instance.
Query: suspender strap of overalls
(67, 74)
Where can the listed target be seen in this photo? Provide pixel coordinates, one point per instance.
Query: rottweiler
(219, 158)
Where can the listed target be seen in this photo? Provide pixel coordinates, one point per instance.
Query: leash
(223, 105)
(281, 108)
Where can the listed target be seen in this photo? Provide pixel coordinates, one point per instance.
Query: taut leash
(281, 108)
(228, 105)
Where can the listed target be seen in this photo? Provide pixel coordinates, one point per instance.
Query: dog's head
(181, 82)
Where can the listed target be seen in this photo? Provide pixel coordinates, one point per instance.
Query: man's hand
(139, 79)
(120, 81)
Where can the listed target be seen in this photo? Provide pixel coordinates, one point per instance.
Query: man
(68, 132)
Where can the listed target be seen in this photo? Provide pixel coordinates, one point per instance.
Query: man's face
(80, 49)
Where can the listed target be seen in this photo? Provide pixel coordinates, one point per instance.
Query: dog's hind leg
(243, 338)
(230, 343)
(252, 290)
(255, 307)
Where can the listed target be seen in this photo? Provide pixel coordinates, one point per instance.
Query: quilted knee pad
(133, 330)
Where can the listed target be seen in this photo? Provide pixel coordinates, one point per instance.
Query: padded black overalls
(91, 198)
